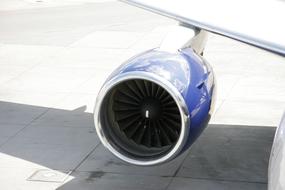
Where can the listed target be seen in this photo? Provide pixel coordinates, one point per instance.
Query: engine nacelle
(153, 107)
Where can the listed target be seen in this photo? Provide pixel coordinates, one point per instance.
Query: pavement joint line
(31, 122)
(144, 35)
(234, 85)
(38, 63)
(49, 108)
(32, 7)
(20, 74)
(28, 45)
(127, 174)
(177, 170)
(87, 34)
(218, 108)
(137, 40)
(174, 177)
(222, 180)
(81, 84)
(228, 94)
(180, 166)
(25, 126)
(84, 159)
(170, 182)
(11, 137)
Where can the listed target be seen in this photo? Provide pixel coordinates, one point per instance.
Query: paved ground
(54, 55)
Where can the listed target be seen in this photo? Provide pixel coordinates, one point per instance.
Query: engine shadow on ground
(226, 155)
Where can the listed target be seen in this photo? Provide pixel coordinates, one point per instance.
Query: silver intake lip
(116, 149)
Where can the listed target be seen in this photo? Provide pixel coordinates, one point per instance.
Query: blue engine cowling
(153, 107)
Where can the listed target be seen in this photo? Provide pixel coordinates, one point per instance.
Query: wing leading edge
(255, 22)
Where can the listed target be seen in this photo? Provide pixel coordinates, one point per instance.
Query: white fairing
(276, 171)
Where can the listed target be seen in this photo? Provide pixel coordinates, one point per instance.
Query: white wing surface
(257, 22)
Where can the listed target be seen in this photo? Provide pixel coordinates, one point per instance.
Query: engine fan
(154, 106)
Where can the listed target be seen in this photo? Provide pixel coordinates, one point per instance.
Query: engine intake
(142, 113)
(142, 117)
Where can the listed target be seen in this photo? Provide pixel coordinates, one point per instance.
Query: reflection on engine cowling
(153, 107)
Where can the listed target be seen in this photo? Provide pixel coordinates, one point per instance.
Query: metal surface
(170, 89)
(180, 37)
(276, 171)
(185, 76)
(142, 111)
(246, 21)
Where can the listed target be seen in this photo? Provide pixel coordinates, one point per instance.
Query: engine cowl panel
(153, 107)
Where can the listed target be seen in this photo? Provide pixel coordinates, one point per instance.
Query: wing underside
(256, 22)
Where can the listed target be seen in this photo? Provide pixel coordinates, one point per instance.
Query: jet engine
(154, 106)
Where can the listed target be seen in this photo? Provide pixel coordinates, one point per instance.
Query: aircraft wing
(256, 22)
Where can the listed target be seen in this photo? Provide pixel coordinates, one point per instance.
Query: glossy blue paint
(191, 75)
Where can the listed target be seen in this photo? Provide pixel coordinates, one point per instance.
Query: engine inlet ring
(149, 152)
